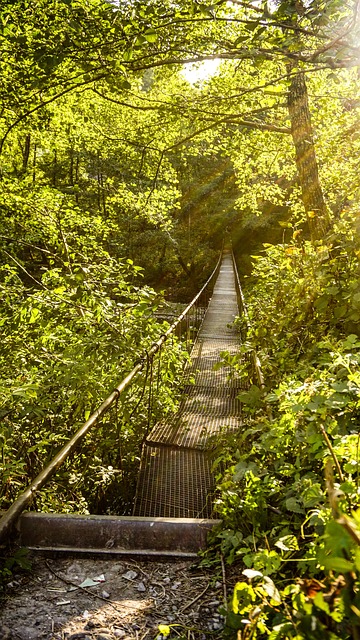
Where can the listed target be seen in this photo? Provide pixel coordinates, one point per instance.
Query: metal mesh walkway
(175, 476)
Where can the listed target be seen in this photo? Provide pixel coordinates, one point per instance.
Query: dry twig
(195, 599)
(224, 581)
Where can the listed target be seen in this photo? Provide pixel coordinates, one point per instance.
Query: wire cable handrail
(255, 358)
(10, 517)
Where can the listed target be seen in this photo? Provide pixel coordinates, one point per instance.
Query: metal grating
(192, 430)
(175, 477)
(175, 484)
(201, 373)
(213, 347)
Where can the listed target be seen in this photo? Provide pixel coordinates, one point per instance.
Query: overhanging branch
(230, 120)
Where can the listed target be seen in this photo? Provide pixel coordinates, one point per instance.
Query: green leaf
(287, 543)
(251, 26)
(243, 597)
(357, 558)
(341, 565)
(351, 341)
(128, 55)
(337, 539)
(348, 487)
(340, 311)
(151, 35)
(279, 631)
(320, 603)
(337, 401)
(34, 316)
(292, 504)
(139, 41)
(240, 39)
(242, 468)
(252, 397)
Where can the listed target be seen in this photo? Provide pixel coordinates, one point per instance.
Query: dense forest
(136, 137)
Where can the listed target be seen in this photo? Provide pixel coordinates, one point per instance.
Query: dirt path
(128, 600)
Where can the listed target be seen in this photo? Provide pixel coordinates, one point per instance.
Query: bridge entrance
(173, 506)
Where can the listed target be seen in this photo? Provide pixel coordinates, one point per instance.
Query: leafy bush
(298, 536)
(74, 322)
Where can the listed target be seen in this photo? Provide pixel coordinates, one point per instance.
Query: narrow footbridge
(173, 506)
(175, 478)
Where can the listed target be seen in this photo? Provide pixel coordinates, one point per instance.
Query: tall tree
(306, 162)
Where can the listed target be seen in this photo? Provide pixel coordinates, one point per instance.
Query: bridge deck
(175, 475)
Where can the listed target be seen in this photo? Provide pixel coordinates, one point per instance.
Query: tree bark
(71, 167)
(98, 182)
(54, 176)
(77, 179)
(306, 162)
(34, 164)
(26, 152)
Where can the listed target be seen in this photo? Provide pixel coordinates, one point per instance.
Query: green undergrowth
(14, 562)
(74, 321)
(289, 498)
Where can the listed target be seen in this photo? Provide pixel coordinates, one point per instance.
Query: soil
(128, 600)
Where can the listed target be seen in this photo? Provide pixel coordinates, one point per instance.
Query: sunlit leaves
(75, 319)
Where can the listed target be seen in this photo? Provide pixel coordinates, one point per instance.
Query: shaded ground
(128, 600)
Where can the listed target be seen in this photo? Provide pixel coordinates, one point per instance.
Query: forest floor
(124, 599)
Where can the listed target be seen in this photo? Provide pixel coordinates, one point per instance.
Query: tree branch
(44, 103)
(230, 120)
(123, 104)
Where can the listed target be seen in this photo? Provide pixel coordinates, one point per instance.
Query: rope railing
(8, 520)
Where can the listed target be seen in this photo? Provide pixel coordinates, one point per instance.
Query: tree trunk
(77, 179)
(103, 195)
(54, 176)
(34, 164)
(26, 152)
(301, 131)
(71, 168)
(98, 182)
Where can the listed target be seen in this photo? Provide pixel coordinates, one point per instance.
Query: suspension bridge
(175, 477)
(173, 506)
